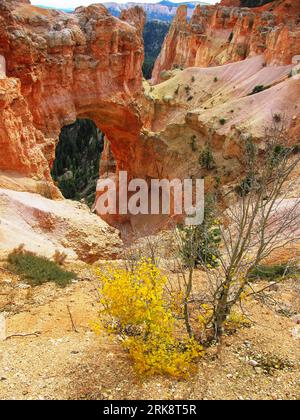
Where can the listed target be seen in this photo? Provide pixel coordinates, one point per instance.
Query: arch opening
(75, 169)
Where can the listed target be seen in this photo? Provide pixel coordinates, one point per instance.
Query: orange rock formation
(60, 67)
(218, 35)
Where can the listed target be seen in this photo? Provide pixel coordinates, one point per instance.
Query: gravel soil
(260, 362)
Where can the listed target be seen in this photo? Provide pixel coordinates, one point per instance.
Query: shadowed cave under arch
(76, 166)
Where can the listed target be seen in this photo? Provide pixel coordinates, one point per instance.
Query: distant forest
(76, 167)
(254, 3)
(154, 35)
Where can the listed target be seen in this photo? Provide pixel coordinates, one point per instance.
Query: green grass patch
(37, 270)
(258, 89)
(274, 272)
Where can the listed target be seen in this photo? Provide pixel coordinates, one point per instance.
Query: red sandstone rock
(217, 35)
(46, 226)
(135, 17)
(63, 66)
(88, 64)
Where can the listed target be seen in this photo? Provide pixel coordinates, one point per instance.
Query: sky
(71, 4)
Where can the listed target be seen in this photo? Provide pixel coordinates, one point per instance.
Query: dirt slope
(60, 363)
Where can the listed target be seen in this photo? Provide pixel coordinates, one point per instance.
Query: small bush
(37, 270)
(134, 306)
(246, 185)
(222, 121)
(216, 79)
(277, 118)
(257, 89)
(206, 253)
(230, 37)
(273, 272)
(296, 149)
(187, 89)
(193, 79)
(206, 159)
(200, 244)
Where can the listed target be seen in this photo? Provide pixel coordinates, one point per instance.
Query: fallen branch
(36, 334)
(71, 318)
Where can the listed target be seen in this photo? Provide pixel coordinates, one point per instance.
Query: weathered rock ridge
(88, 64)
(60, 67)
(45, 226)
(218, 35)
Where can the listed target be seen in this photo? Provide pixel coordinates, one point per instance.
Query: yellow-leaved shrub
(133, 305)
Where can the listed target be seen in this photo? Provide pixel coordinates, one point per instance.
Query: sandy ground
(59, 363)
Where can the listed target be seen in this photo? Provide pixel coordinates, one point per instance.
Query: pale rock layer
(45, 226)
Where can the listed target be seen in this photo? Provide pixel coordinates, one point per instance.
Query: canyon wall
(60, 67)
(217, 35)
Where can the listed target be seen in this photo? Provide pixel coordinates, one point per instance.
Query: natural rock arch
(61, 67)
(88, 64)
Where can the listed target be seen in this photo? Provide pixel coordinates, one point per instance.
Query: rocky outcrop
(59, 67)
(46, 226)
(218, 35)
(218, 106)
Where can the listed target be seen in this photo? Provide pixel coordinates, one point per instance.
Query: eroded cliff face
(60, 67)
(218, 35)
(88, 64)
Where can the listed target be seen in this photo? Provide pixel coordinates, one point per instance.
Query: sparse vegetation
(187, 89)
(254, 228)
(274, 272)
(277, 118)
(246, 185)
(154, 35)
(134, 306)
(59, 257)
(206, 239)
(258, 89)
(206, 159)
(36, 270)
